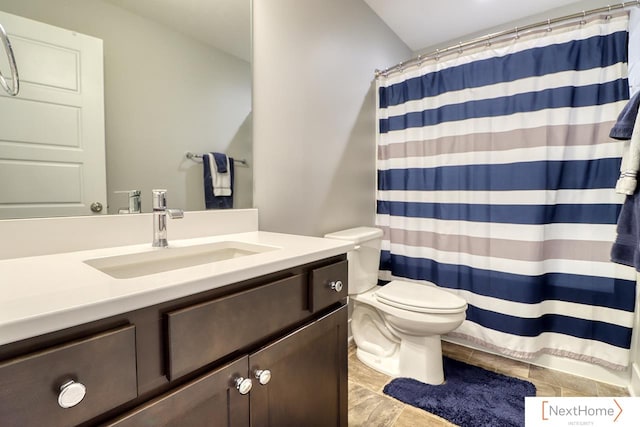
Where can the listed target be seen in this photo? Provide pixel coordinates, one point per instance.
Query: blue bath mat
(470, 396)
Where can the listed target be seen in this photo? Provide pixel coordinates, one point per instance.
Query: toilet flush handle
(336, 285)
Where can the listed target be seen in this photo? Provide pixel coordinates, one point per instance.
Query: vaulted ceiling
(225, 24)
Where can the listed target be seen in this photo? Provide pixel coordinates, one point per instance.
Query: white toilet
(396, 327)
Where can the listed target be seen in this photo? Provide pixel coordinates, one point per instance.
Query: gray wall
(314, 112)
(165, 94)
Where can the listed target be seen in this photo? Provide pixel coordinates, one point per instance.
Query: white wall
(314, 112)
(165, 94)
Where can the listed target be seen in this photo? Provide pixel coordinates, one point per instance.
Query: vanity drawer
(328, 285)
(30, 385)
(203, 333)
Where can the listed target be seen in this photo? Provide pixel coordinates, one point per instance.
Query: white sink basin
(167, 259)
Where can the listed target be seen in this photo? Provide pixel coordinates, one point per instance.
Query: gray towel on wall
(626, 119)
(625, 249)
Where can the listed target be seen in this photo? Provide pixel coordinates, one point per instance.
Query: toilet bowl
(397, 327)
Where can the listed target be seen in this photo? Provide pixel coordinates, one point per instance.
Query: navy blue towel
(625, 249)
(211, 201)
(221, 162)
(626, 119)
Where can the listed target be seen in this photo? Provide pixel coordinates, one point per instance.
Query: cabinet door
(211, 400)
(308, 381)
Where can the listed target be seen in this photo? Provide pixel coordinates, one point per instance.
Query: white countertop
(41, 294)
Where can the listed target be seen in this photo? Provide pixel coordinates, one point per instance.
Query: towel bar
(15, 88)
(191, 156)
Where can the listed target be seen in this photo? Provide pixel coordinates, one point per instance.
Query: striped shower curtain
(495, 181)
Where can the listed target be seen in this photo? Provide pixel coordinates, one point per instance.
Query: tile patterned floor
(370, 407)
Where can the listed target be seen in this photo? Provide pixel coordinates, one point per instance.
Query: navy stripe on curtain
(591, 290)
(600, 331)
(521, 103)
(533, 62)
(510, 214)
(539, 175)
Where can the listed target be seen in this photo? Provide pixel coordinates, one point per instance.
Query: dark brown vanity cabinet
(304, 375)
(269, 351)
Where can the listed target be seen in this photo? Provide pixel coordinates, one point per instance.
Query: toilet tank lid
(356, 235)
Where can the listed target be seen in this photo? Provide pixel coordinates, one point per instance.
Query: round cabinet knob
(336, 286)
(71, 393)
(243, 385)
(263, 376)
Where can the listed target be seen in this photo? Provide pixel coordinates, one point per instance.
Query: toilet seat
(419, 298)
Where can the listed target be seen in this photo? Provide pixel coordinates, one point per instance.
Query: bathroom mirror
(177, 79)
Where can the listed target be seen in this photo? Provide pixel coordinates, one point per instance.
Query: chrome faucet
(160, 213)
(134, 202)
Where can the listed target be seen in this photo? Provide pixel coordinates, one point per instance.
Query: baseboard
(634, 387)
(570, 366)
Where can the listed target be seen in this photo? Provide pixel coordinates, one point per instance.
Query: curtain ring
(437, 54)
(548, 24)
(419, 60)
(460, 48)
(517, 34)
(584, 17)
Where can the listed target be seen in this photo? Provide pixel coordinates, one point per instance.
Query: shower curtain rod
(438, 53)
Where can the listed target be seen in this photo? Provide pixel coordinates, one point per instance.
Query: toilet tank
(364, 260)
